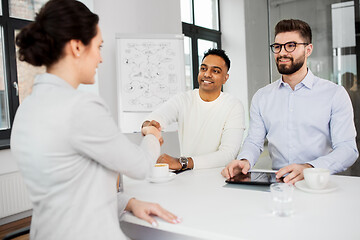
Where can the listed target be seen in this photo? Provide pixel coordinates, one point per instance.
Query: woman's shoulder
(86, 99)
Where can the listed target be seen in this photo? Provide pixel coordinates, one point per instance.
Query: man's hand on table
(235, 167)
(144, 210)
(295, 172)
(173, 162)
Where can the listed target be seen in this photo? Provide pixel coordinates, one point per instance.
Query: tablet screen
(255, 178)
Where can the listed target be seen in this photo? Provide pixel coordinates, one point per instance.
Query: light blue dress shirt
(311, 124)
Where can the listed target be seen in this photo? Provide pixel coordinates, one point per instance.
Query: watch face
(184, 162)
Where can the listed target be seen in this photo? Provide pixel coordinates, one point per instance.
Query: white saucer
(304, 187)
(162, 179)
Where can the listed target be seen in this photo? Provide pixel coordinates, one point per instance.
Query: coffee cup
(316, 178)
(160, 170)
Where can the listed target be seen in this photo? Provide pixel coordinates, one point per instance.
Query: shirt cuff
(243, 156)
(122, 201)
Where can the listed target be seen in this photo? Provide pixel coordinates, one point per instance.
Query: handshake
(154, 128)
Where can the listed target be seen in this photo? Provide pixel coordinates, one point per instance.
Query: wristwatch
(184, 162)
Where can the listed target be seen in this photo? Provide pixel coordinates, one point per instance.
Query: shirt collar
(200, 99)
(308, 81)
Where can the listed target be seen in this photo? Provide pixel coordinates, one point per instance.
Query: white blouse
(70, 151)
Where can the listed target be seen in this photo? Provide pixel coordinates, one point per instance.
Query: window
(201, 27)
(15, 77)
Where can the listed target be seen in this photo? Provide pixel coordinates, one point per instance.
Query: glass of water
(282, 199)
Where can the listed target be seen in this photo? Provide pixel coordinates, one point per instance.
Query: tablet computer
(262, 177)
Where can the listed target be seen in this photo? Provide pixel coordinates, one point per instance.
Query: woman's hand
(144, 210)
(154, 131)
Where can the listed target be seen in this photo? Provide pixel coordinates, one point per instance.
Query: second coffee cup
(316, 178)
(160, 170)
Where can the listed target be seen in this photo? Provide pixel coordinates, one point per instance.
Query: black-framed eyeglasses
(289, 46)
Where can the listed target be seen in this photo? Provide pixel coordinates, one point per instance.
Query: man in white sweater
(210, 122)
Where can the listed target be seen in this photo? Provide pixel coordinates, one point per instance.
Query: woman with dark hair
(68, 147)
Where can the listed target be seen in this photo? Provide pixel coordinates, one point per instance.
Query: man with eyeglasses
(308, 121)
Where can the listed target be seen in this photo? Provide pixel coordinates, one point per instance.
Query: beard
(294, 66)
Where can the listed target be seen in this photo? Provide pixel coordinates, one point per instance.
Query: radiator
(14, 197)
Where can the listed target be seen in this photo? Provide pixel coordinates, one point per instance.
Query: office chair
(17, 233)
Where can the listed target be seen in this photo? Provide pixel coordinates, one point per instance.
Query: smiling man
(308, 121)
(210, 122)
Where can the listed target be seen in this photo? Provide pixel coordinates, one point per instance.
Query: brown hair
(42, 41)
(294, 25)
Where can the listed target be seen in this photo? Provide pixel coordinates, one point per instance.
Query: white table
(212, 209)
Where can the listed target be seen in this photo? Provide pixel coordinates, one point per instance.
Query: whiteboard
(150, 70)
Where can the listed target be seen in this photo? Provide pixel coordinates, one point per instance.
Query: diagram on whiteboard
(151, 71)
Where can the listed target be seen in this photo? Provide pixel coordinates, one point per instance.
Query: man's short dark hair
(294, 25)
(218, 52)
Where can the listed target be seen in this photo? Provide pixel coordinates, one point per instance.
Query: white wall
(135, 16)
(7, 162)
(233, 41)
(257, 45)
